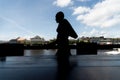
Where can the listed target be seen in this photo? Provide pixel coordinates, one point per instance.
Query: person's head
(59, 16)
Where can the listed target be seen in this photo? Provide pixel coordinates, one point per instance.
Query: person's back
(62, 36)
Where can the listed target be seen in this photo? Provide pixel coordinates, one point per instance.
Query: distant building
(105, 41)
(84, 39)
(18, 40)
(99, 40)
(3, 41)
(13, 41)
(21, 40)
(37, 40)
(95, 40)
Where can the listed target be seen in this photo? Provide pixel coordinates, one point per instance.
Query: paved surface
(85, 67)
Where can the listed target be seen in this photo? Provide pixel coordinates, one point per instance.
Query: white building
(37, 40)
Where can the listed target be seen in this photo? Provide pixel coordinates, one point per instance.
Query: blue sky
(28, 18)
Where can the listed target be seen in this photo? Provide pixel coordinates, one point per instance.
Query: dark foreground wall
(87, 48)
(7, 49)
(82, 48)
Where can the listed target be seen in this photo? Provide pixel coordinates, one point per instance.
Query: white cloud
(62, 3)
(83, 0)
(95, 33)
(80, 10)
(103, 14)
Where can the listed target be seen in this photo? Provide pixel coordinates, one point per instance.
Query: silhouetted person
(64, 30)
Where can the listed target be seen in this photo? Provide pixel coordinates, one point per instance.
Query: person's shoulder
(65, 21)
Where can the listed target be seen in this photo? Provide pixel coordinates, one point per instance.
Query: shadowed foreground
(92, 67)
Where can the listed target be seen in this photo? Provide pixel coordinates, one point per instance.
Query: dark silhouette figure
(64, 30)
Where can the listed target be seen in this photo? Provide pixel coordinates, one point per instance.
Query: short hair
(60, 14)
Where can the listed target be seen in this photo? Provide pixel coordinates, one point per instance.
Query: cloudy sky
(27, 18)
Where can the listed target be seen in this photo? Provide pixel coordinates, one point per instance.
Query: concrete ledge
(7, 49)
(86, 48)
